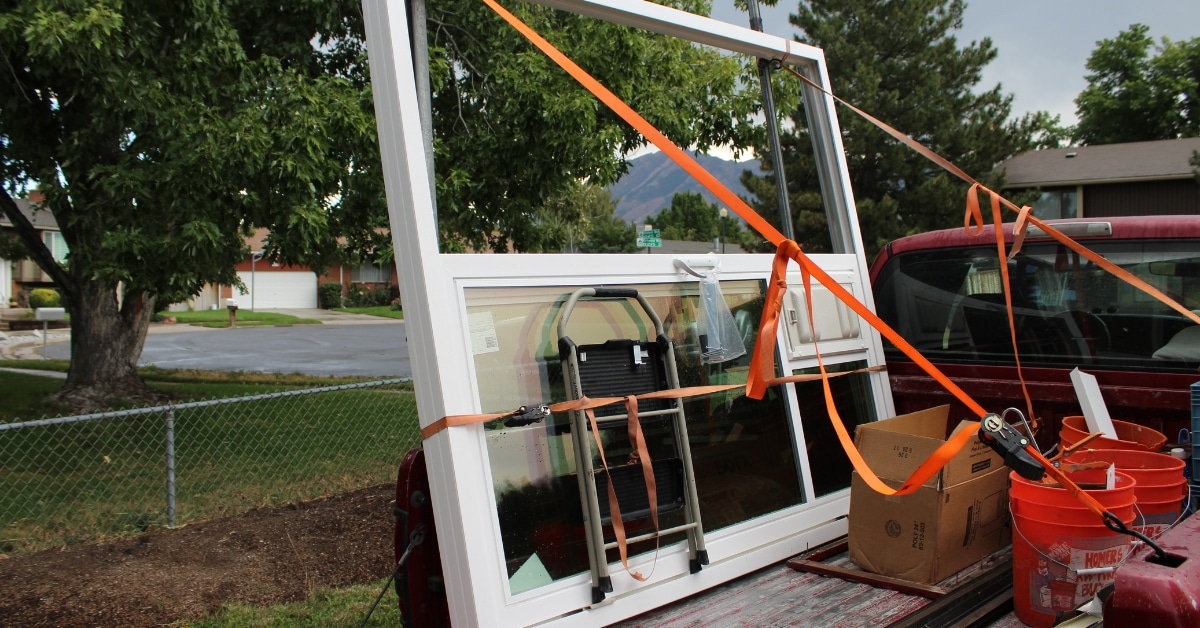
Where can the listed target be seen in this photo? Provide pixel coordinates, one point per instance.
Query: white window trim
(432, 286)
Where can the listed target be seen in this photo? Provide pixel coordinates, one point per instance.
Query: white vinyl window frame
(432, 285)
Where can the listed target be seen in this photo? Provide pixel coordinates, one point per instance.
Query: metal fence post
(170, 418)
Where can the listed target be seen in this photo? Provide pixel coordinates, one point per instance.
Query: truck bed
(782, 595)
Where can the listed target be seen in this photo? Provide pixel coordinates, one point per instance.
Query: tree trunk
(106, 342)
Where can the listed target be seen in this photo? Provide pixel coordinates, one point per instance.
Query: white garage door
(278, 290)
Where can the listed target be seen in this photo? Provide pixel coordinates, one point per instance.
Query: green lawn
(80, 482)
(245, 318)
(378, 310)
(341, 607)
(25, 395)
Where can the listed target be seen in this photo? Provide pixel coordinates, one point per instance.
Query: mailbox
(50, 313)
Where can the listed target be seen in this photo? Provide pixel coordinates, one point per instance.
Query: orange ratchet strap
(585, 403)
(588, 403)
(998, 221)
(642, 455)
(771, 310)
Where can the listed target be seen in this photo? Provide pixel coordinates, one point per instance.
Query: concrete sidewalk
(27, 345)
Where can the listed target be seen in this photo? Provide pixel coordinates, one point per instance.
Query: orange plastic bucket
(1161, 486)
(1129, 435)
(1061, 560)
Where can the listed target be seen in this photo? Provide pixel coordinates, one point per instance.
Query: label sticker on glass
(483, 333)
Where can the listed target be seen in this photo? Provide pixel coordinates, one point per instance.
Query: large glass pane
(743, 450)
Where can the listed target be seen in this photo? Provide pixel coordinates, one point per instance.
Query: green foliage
(690, 218)
(610, 236)
(11, 247)
(44, 297)
(329, 295)
(162, 134)
(245, 318)
(900, 62)
(513, 130)
(564, 221)
(1134, 96)
(359, 295)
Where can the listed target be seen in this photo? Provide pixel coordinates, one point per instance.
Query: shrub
(329, 295)
(360, 295)
(396, 306)
(381, 296)
(44, 297)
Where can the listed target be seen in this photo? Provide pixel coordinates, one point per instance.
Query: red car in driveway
(942, 292)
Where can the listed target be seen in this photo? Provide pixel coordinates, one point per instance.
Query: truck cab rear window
(1066, 311)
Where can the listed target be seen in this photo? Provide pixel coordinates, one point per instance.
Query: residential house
(270, 285)
(1131, 179)
(17, 278)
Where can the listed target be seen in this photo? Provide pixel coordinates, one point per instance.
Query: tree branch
(33, 241)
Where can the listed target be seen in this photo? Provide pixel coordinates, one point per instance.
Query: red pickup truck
(942, 292)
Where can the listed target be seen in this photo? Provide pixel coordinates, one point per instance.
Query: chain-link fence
(80, 478)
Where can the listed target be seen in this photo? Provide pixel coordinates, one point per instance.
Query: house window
(1057, 204)
(56, 244)
(370, 273)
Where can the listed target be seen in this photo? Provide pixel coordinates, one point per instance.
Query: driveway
(344, 344)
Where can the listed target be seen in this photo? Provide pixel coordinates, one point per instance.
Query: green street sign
(649, 237)
(648, 241)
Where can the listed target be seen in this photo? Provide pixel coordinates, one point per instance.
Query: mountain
(653, 179)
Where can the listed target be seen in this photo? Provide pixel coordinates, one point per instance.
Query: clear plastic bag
(720, 339)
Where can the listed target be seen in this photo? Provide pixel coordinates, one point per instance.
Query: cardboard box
(959, 516)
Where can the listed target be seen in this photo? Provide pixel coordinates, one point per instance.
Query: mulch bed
(265, 556)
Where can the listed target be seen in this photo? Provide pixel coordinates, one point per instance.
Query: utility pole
(768, 98)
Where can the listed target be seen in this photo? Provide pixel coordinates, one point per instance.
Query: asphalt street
(370, 350)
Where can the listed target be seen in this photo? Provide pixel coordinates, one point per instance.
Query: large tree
(690, 218)
(1134, 95)
(160, 134)
(899, 60)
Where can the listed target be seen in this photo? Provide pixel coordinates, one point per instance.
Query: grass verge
(378, 310)
(84, 481)
(341, 607)
(245, 318)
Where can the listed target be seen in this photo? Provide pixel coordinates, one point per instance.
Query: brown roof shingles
(1133, 161)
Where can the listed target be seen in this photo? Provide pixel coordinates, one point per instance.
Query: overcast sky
(1042, 44)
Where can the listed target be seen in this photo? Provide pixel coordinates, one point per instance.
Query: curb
(27, 346)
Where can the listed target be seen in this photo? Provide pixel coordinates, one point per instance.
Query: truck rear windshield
(1067, 312)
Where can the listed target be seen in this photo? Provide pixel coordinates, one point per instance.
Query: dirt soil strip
(266, 556)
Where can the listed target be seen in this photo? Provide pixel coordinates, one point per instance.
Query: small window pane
(56, 244)
(369, 273)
